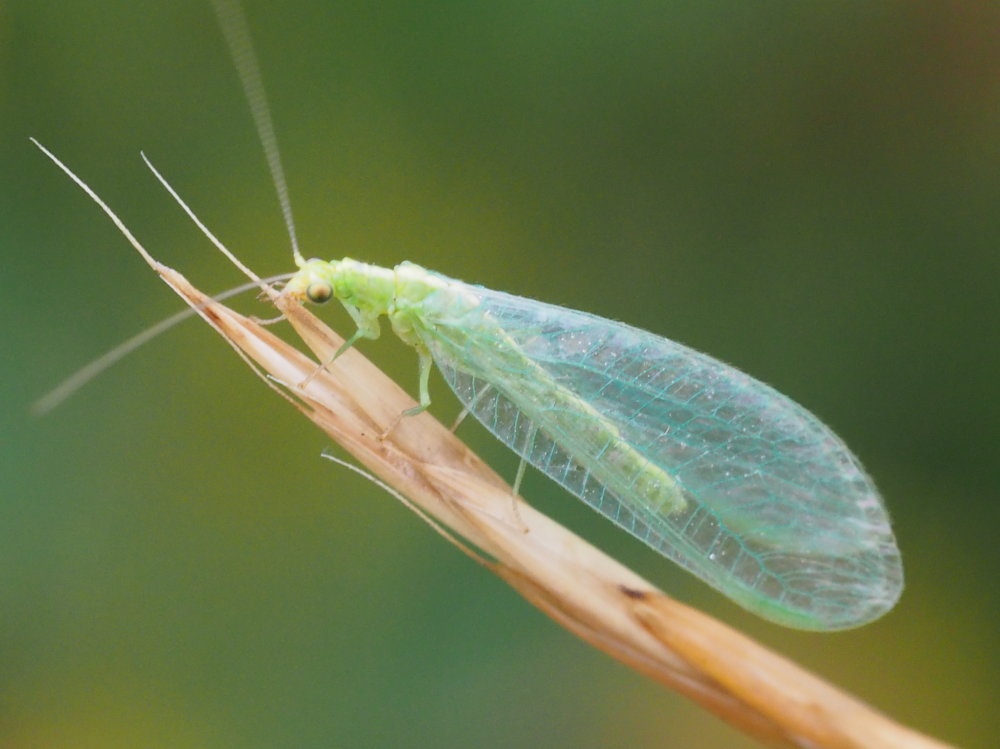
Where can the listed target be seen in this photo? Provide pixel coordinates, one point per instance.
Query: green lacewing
(714, 469)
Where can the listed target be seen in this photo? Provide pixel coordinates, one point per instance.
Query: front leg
(368, 327)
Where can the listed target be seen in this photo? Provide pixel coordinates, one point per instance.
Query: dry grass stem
(592, 595)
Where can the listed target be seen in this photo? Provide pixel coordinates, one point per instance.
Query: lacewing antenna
(92, 369)
(237, 33)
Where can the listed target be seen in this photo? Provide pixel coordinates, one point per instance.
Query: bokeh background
(808, 190)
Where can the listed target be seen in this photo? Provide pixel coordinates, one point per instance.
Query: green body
(710, 467)
(419, 303)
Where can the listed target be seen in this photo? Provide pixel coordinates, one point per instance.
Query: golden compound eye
(318, 292)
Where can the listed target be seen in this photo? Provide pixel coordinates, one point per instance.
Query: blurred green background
(808, 190)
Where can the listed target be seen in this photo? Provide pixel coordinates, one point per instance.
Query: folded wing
(710, 467)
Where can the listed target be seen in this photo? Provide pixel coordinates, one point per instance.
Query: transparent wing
(773, 510)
